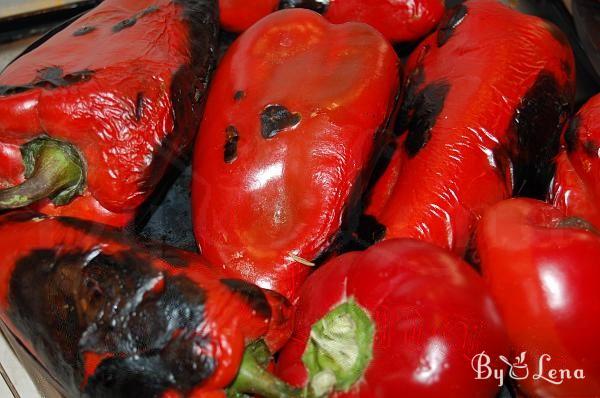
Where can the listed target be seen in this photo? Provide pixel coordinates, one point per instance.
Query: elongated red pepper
(108, 316)
(542, 269)
(293, 119)
(397, 20)
(486, 97)
(239, 15)
(403, 317)
(94, 115)
(576, 186)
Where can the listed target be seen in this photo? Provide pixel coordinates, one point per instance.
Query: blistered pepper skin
(292, 123)
(576, 186)
(128, 96)
(431, 315)
(239, 15)
(110, 316)
(480, 122)
(398, 21)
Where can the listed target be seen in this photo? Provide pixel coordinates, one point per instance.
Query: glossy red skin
(544, 280)
(398, 21)
(439, 194)
(420, 298)
(239, 15)
(290, 193)
(124, 156)
(229, 321)
(576, 186)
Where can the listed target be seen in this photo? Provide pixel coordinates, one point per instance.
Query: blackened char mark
(139, 106)
(319, 6)
(129, 22)
(369, 232)
(21, 216)
(275, 118)
(414, 80)
(67, 304)
(572, 134)
(231, 142)
(239, 95)
(84, 30)
(426, 108)
(453, 17)
(252, 294)
(49, 78)
(537, 124)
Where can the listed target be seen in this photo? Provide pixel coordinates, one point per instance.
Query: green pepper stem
(253, 378)
(56, 171)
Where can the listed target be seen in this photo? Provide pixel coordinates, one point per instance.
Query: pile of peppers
(367, 224)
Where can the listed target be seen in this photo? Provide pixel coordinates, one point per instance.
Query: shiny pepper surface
(112, 99)
(293, 121)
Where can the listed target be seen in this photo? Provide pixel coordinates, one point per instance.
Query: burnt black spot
(139, 106)
(577, 223)
(537, 124)
(275, 118)
(370, 230)
(239, 95)
(411, 89)
(126, 23)
(21, 216)
(253, 295)
(148, 10)
(84, 30)
(70, 303)
(453, 17)
(231, 141)
(426, 108)
(572, 134)
(50, 78)
(319, 6)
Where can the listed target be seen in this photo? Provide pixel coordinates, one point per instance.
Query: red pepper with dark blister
(293, 120)
(486, 97)
(95, 114)
(542, 268)
(107, 315)
(397, 20)
(403, 317)
(576, 186)
(239, 15)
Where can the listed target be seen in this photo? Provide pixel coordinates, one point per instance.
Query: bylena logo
(519, 370)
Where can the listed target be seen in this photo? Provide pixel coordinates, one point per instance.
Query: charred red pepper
(542, 268)
(239, 15)
(293, 120)
(576, 186)
(403, 316)
(397, 20)
(486, 98)
(107, 315)
(90, 119)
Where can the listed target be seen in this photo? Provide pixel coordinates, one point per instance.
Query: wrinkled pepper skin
(486, 97)
(397, 20)
(576, 185)
(293, 120)
(431, 314)
(127, 96)
(542, 269)
(109, 316)
(238, 15)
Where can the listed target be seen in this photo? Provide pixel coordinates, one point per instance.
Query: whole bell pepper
(294, 118)
(239, 15)
(110, 316)
(403, 317)
(576, 186)
(90, 119)
(480, 122)
(397, 20)
(542, 269)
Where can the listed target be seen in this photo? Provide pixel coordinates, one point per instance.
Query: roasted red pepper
(293, 119)
(542, 268)
(94, 115)
(397, 20)
(403, 317)
(107, 315)
(486, 97)
(576, 186)
(239, 15)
